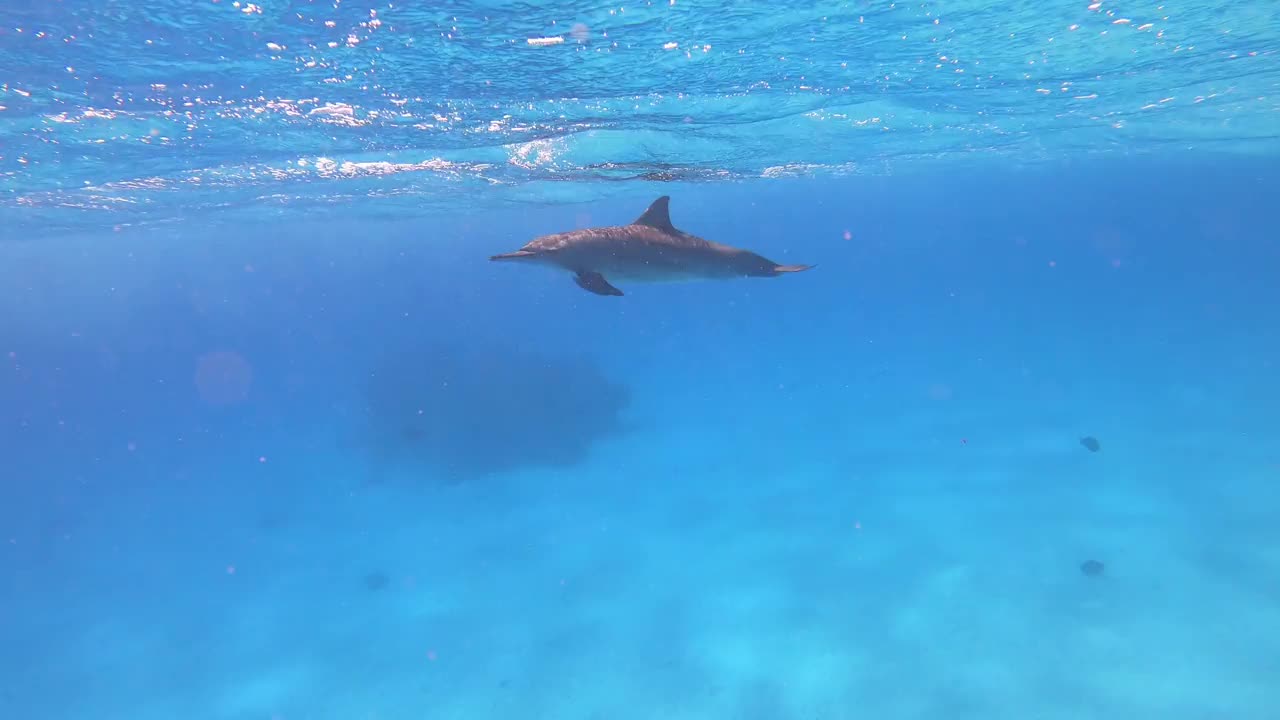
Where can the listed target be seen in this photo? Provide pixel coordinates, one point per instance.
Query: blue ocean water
(278, 442)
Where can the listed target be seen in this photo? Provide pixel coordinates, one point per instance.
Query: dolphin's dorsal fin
(658, 216)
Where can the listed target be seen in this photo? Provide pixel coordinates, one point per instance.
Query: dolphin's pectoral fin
(594, 282)
(658, 216)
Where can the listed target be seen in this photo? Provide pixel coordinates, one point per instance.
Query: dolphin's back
(640, 253)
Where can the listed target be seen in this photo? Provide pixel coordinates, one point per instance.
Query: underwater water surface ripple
(135, 112)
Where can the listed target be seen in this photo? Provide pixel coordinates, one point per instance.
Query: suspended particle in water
(223, 378)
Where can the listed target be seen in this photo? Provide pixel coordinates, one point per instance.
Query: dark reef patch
(470, 410)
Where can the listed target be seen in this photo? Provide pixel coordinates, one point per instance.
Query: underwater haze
(278, 441)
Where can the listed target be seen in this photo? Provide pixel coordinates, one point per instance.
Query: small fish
(1091, 443)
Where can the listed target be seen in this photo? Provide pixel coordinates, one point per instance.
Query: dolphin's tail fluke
(779, 269)
(513, 255)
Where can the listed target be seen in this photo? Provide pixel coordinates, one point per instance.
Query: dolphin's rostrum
(650, 249)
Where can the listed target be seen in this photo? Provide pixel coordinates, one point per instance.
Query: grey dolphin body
(650, 249)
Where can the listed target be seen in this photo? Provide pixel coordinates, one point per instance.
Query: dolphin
(650, 249)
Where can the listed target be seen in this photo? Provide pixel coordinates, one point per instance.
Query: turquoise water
(278, 442)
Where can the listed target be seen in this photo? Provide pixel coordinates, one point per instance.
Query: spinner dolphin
(650, 249)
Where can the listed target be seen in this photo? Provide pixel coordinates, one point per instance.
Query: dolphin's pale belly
(645, 273)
